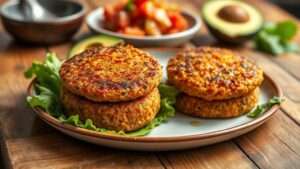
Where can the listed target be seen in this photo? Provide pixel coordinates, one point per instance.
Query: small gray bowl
(95, 18)
(61, 29)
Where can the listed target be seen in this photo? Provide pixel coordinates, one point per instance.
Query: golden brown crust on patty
(126, 116)
(196, 106)
(112, 74)
(213, 73)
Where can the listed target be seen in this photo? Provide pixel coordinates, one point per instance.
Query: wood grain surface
(27, 142)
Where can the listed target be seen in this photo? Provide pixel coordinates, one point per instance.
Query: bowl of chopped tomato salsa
(145, 22)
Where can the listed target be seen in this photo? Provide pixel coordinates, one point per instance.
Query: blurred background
(292, 6)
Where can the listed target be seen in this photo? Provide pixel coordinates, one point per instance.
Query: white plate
(178, 133)
(95, 18)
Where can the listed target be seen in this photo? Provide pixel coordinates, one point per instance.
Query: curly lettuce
(47, 97)
(48, 84)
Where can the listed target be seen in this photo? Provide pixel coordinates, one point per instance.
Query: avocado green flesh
(210, 14)
(96, 40)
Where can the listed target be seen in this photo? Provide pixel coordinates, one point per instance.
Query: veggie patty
(119, 116)
(218, 108)
(112, 74)
(213, 73)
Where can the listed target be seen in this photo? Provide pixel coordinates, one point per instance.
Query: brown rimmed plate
(180, 132)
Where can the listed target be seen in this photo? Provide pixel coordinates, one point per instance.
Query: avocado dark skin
(238, 40)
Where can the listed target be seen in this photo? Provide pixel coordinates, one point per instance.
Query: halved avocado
(232, 21)
(95, 40)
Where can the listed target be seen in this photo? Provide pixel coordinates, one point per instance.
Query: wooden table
(27, 142)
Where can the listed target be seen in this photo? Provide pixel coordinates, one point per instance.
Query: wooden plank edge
(272, 142)
(220, 155)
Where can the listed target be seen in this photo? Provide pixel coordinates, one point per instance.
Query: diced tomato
(178, 21)
(147, 9)
(134, 14)
(138, 22)
(163, 28)
(172, 30)
(109, 12)
(143, 17)
(140, 2)
(134, 31)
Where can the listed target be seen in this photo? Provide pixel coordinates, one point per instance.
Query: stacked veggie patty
(115, 87)
(215, 82)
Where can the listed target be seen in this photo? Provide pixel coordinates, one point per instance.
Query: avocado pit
(234, 14)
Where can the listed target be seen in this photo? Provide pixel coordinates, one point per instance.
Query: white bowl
(94, 21)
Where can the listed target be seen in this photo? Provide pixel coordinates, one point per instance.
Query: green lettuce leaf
(74, 120)
(48, 98)
(47, 73)
(48, 85)
(168, 92)
(260, 108)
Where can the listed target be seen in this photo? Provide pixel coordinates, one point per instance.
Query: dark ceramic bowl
(61, 29)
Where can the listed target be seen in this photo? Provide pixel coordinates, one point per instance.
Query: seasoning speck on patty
(112, 74)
